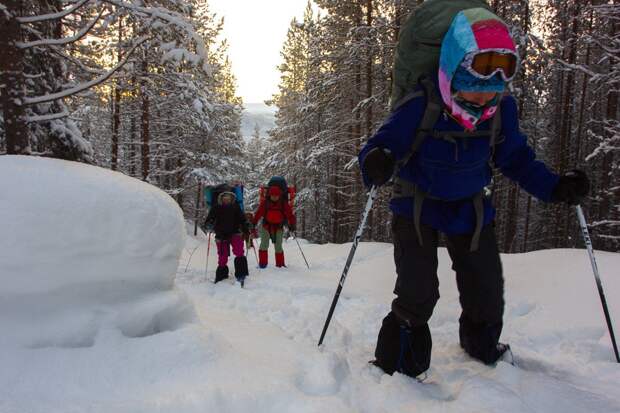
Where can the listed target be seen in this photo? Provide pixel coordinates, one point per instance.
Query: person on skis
(439, 146)
(275, 212)
(229, 224)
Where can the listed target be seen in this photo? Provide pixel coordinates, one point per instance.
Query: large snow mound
(77, 237)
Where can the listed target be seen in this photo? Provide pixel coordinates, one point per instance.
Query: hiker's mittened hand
(572, 187)
(378, 165)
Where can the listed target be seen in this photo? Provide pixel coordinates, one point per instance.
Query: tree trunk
(511, 216)
(196, 212)
(179, 182)
(12, 77)
(133, 139)
(116, 114)
(369, 94)
(611, 114)
(584, 90)
(145, 120)
(526, 230)
(116, 122)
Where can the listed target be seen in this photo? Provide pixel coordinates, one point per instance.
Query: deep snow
(83, 250)
(202, 347)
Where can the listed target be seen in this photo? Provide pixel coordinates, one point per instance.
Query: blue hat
(466, 82)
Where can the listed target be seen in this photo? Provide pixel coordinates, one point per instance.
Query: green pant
(265, 236)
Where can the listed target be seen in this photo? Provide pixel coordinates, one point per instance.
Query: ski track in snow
(271, 328)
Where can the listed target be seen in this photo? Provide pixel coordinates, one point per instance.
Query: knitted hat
(231, 195)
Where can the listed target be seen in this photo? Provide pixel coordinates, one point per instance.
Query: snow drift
(76, 238)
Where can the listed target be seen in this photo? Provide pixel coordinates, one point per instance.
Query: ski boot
(241, 269)
(221, 274)
(263, 258)
(280, 259)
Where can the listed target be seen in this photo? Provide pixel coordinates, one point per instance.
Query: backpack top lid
(419, 43)
(279, 181)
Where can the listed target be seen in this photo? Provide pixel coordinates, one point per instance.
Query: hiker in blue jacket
(440, 144)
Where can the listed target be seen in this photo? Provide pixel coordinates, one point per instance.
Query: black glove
(572, 187)
(378, 166)
(292, 227)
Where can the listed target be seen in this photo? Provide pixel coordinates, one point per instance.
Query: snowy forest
(146, 88)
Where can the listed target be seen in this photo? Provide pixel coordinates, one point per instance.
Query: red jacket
(274, 214)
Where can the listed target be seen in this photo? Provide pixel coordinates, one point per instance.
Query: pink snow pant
(223, 249)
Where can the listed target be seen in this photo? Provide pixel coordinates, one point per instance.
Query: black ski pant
(404, 342)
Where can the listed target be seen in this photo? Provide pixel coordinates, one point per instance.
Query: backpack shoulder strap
(431, 115)
(408, 97)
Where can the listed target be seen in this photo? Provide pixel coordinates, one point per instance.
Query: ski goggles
(485, 65)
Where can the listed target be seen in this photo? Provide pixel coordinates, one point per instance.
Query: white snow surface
(83, 249)
(204, 347)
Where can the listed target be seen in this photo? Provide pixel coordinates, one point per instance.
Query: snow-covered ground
(201, 347)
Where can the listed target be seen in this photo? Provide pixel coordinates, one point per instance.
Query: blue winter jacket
(455, 172)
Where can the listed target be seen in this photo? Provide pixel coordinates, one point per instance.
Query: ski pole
(300, 250)
(588, 242)
(358, 235)
(190, 257)
(254, 248)
(208, 251)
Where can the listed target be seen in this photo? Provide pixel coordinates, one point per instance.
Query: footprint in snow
(321, 374)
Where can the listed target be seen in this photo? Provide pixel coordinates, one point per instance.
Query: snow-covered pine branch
(48, 117)
(61, 53)
(87, 85)
(53, 16)
(170, 18)
(57, 42)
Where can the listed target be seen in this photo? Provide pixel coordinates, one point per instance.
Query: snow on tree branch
(53, 16)
(593, 75)
(79, 35)
(61, 53)
(171, 18)
(4, 10)
(48, 117)
(87, 85)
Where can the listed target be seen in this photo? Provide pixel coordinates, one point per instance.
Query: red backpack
(288, 192)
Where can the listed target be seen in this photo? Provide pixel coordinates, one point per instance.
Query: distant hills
(257, 114)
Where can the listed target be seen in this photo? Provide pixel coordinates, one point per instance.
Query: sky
(256, 31)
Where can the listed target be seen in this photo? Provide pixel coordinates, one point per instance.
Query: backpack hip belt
(406, 189)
